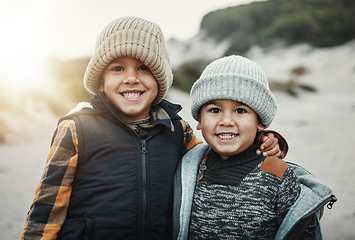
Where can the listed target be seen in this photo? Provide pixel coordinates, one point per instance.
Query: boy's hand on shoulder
(270, 146)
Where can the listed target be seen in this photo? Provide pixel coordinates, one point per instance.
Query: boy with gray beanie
(110, 170)
(224, 190)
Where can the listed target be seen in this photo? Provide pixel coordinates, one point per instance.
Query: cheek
(104, 83)
(154, 86)
(248, 126)
(207, 126)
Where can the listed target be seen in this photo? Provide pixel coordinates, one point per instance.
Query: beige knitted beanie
(237, 78)
(131, 37)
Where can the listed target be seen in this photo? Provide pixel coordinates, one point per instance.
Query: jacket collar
(161, 114)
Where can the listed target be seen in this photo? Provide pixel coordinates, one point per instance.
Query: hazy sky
(69, 28)
(34, 29)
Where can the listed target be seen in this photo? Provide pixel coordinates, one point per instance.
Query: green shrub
(321, 23)
(187, 74)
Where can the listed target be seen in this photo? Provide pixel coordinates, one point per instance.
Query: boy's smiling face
(130, 87)
(228, 126)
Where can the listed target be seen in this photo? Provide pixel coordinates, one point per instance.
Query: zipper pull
(144, 147)
(331, 202)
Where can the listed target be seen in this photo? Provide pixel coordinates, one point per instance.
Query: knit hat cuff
(235, 87)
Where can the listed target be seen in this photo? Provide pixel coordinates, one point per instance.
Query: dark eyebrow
(117, 60)
(211, 102)
(242, 104)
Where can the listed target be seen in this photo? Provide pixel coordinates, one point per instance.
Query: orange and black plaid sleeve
(49, 208)
(190, 139)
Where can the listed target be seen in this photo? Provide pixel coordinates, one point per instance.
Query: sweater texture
(245, 214)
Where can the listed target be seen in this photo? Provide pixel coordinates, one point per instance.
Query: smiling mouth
(132, 95)
(227, 136)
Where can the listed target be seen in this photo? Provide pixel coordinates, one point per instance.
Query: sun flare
(21, 57)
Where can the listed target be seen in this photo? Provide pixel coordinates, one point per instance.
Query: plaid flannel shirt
(49, 208)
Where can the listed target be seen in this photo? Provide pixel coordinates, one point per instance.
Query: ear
(260, 126)
(101, 87)
(198, 127)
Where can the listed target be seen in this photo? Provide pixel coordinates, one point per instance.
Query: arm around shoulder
(272, 143)
(190, 139)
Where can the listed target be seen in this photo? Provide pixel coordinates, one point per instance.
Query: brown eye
(214, 110)
(117, 68)
(240, 110)
(144, 67)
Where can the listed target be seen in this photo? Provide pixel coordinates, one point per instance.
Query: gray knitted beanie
(237, 78)
(131, 37)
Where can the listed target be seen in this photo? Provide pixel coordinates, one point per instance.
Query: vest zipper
(144, 200)
(144, 190)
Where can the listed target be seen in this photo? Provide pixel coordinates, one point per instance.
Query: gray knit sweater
(254, 208)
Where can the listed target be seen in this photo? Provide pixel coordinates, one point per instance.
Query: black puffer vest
(123, 187)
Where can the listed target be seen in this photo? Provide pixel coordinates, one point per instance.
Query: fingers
(270, 146)
(273, 152)
(269, 142)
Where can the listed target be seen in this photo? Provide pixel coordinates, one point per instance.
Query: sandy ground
(318, 127)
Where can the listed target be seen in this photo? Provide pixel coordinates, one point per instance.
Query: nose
(227, 120)
(131, 77)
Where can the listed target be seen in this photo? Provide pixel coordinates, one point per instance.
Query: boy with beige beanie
(224, 190)
(110, 170)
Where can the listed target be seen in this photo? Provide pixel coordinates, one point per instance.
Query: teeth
(131, 95)
(227, 136)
